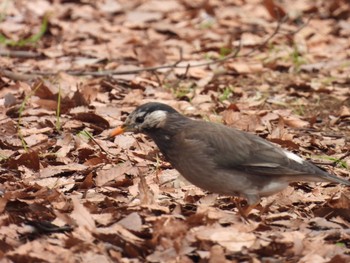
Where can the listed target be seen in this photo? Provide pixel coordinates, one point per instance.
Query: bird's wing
(234, 149)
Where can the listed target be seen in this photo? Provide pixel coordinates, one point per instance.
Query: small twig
(167, 181)
(267, 40)
(180, 56)
(158, 78)
(303, 25)
(17, 76)
(344, 156)
(169, 66)
(333, 135)
(176, 64)
(323, 163)
(333, 164)
(18, 53)
(99, 146)
(186, 71)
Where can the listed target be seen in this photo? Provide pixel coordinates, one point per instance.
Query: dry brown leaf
(116, 173)
(45, 90)
(275, 10)
(146, 194)
(303, 68)
(104, 219)
(64, 184)
(246, 67)
(61, 169)
(36, 139)
(217, 255)
(94, 161)
(50, 105)
(158, 5)
(88, 182)
(120, 231)
(132, 222)
(344, 112)
(81, 215)
(28, 159)
(150, 55)
(3, 202)
(41, 250)
(35, 130)
(295, 122)
(242, 121)
(125, 141)
(93, 119)
(343, 202)
(9, 100)
(229, 237)
(8, 127)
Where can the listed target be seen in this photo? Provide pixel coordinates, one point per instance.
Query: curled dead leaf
(295, 122)
(93, 119)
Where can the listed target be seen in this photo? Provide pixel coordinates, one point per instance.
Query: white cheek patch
(293, 157)
(156, 118)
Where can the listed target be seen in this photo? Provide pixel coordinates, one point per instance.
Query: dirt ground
(70, 71)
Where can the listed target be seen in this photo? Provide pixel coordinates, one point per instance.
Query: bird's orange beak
(117, 131)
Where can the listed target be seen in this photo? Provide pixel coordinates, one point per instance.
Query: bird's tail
(334, 179)
(320, 176)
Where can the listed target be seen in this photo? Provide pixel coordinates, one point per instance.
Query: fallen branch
(334, 163)
(18, 53)
(17, 76)
(234, 54)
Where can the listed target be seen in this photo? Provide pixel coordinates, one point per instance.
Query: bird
(222, 159)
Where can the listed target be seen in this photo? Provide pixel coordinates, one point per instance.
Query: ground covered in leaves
(72, 70)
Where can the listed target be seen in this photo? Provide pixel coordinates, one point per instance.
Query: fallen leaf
(28, 159)
(228, 237)
(81, 215)
(116, 173)
(132, 222)
(93, 119)
(60, 169)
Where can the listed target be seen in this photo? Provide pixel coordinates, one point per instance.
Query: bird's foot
(244, 208)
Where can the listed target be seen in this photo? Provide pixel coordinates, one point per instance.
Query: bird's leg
(247, 208)
(243, 210)
(252, 202)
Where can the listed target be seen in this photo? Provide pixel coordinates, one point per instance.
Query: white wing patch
(273, 188)
(293, 157)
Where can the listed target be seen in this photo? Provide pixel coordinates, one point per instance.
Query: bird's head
(146, 118)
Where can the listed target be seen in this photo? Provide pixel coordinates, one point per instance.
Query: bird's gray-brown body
(222, 159)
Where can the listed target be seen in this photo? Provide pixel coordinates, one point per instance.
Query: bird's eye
(139, 119)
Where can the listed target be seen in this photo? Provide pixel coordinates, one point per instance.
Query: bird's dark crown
(149, 116)
(154, 106)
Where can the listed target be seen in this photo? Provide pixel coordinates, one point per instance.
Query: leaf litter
(70, 194)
